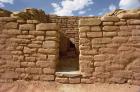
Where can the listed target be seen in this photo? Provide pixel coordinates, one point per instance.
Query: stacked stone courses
(109, 48)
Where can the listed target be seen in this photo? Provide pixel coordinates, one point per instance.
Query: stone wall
(110, 49)
(28, 50)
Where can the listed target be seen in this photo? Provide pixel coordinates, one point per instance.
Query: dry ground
(23, 86)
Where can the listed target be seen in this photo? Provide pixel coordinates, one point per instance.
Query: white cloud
(129, 4)
(2, 2)
(67, 7)
(81, 12)
(112, 7)
(7, 1)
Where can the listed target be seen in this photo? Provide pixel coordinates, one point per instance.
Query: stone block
(27, 27)
(82, 35)
(107, 23)
(52, 33)
(117, 80)
(62, 80)
(28, 50)
(26, 36)
(137, 76)
(94, 34)
(108, 50)
(110, 28)
(45, 64)
(47, 77)
(32, 21)
(135, 32)
(48, 70)
(33, 70)
(90, 22)
(41, 57)
(11, 31)
(86, 81)
(100, 57)
(50, 44)
(96, 28)
(129, 16)
(34, 45)
(120, 39)
(7, 19)
(86, 57)
(12, 25)
(19, 70)
(110, 18)
(109, 34)
(101, 40)
(121, 23)
(124, 33)
(27, 64)
(84, 29)
(40, 38)
(84, 41)
(36, 32)
(47, 51)
(30, 59)
(9, 75)
(74, 80)
(47, 26)
(88, 52)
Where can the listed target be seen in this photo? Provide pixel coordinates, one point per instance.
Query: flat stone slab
(69, 74)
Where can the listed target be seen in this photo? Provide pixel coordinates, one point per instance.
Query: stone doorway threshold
(68, 74)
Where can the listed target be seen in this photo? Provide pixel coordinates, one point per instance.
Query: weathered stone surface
(32, 21)
(47, 51)
(110, 18)
(109, 34)
(11, 25)
(88, 52)
(95, 28)
(62, 80)
(50, 44)
(120, 39)
(94, 34)
(110, 28)
(101, 40)
(84, 29)
(52, 33)
(27, 27)
(12, 31)
(33, 70)
(9, 75)
(47, 26)
(92, 21)
(47, 77)
(100, 57)
(48, 71)
(45, 64)
(108, 24)
(129, 16)
(74, 80)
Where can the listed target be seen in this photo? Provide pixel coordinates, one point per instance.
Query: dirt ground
(23, 86)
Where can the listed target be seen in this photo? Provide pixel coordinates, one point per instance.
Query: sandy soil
(23, 86)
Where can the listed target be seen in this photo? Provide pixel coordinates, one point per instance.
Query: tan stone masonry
(108, 46)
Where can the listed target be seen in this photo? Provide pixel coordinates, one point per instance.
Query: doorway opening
(68, 55)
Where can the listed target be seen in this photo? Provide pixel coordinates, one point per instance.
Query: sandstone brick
(109, 34)
(32, 21)
(51, 38)
(91, 21)
(135, 32)
(81, 47)
(110, 18)
(27, 27)
(98, 64)
(134, 38)
(62, 80)
(108, 24)
(34, 45)
(95, 28)
(124, 33)
(25, 36)
(117, 80)
(41, 57)
(110, 28)
(99, 69)
(48, 71)
(114, 67)
(84, 29)
(137, 76)
(47, 51)
(100, 57)
(27, 64)
(11, 25)
(120, 39)
(12, 31)
(84, 41)
(40, 38)
(82, 35)
(9, 75)
(86, 57)
(28, 50)
(7, 19)
(86, 80)
(50, 44)
(108, 50)
(120, 23)
(45, 64)
(52, 57)
(129, 16)
(122, 74)
(94, 34)
(30, 59)
(33, 70)
(19, 70)
(74, 80)
(47, 26)
(52, 33)
(101, 40)
(16, 52)
(88, 52)
(47, 77)
(13, 64)
(36, 32)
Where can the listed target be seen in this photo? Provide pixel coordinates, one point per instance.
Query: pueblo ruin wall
(70, 49)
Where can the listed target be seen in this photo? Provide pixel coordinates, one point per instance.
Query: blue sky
(71, 7)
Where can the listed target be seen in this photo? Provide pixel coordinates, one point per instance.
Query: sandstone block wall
(110, 49)
(28, 50)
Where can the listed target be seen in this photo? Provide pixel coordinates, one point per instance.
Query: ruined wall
(110, 49)
(28, 50)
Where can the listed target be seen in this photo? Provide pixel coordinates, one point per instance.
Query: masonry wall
(110, 49)
(28, 50)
